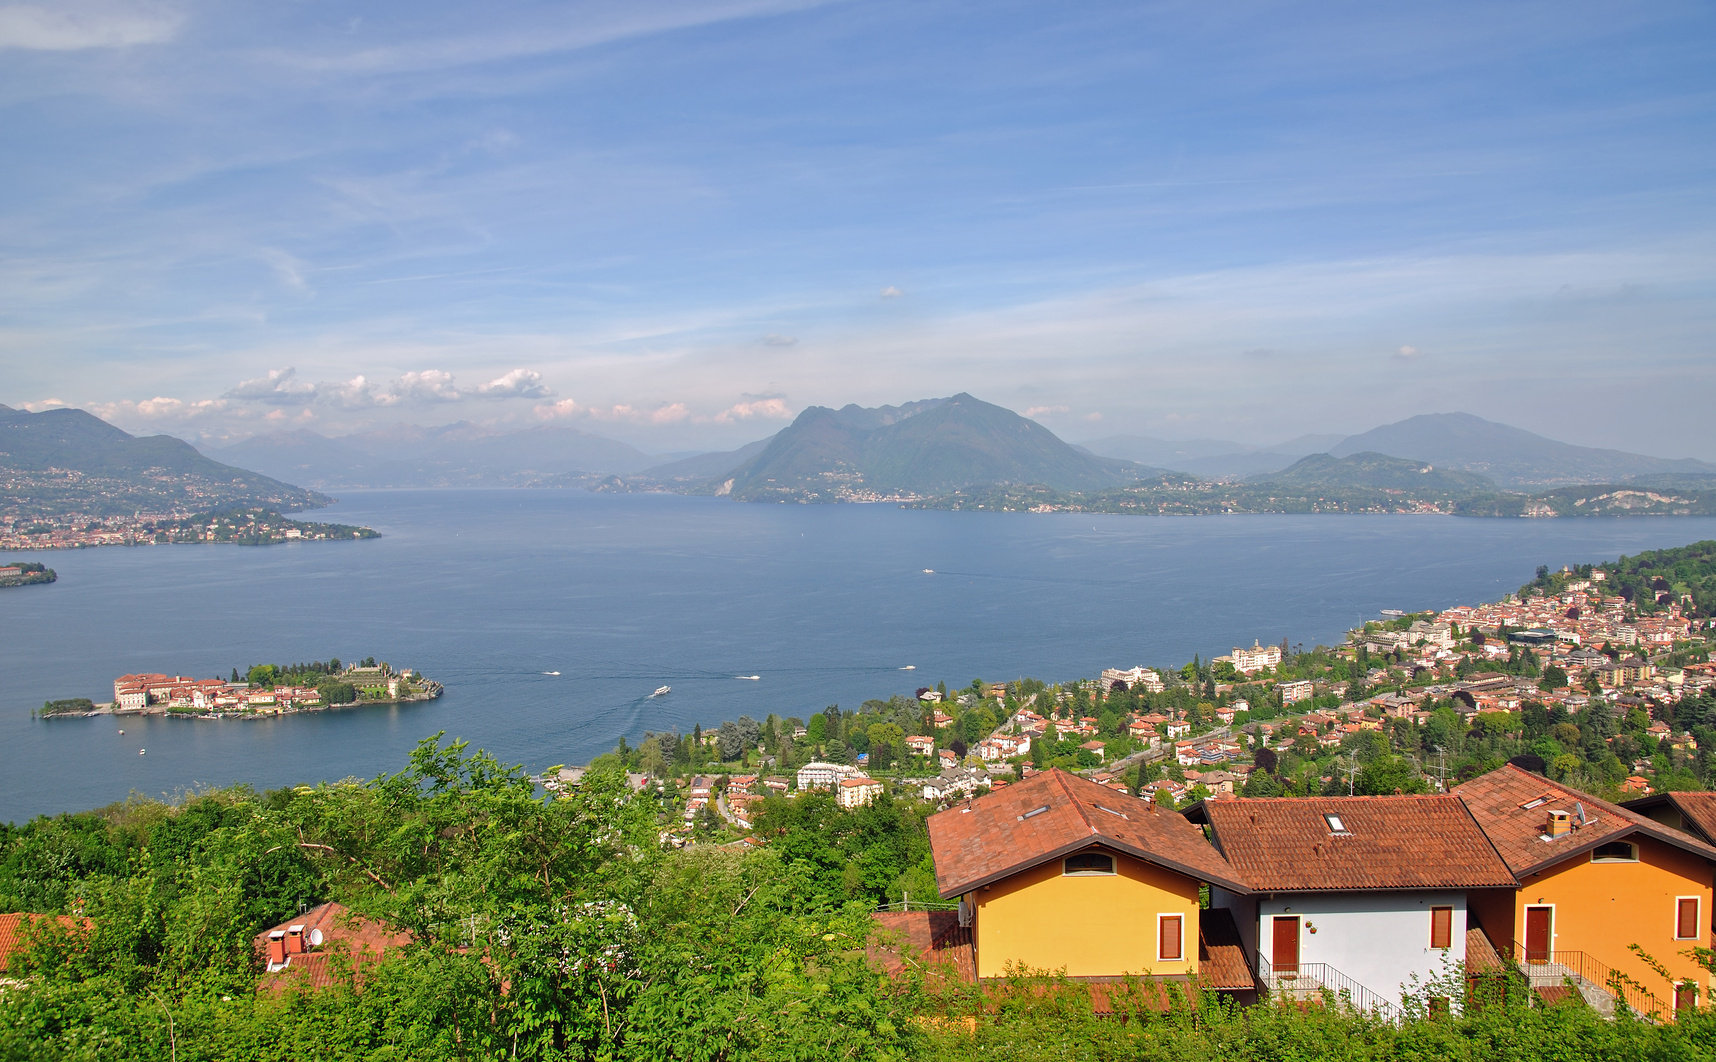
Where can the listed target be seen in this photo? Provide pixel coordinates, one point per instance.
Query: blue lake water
(487, 590)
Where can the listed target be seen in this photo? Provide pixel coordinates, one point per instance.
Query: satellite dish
(315, 938)
(1579, 810)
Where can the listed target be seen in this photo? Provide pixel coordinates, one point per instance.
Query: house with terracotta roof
(313, 949)
(17, 928)
(1358, 894)
(1595, 879)
(1060, 873)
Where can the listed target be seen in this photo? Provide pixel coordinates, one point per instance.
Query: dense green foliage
(68, 706)
(559, 929)
(1685, 575)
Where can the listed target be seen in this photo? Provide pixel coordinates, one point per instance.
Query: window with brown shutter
(1169, 946)
(1441, 927)
(1686, 918)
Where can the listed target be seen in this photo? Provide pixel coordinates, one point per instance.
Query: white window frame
(1630, 844)
(1068, 872)
(1698, 917)
(1159, 920)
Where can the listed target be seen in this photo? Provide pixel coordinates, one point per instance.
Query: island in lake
(22, 574)
(264, 690)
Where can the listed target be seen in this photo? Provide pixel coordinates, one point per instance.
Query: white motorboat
(664, 691)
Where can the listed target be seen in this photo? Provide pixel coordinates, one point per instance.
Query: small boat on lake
(664, 691)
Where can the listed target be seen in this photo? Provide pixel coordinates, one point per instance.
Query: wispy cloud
(570, 28)
(1038, 411)
(74, 26)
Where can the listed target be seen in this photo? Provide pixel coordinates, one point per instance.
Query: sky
(681, 223)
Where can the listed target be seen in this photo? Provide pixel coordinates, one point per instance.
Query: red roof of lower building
(1054, 814)
(15, 929)
(348, 937)
(1305, 844)
(1512, 806)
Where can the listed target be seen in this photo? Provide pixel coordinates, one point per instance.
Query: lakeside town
(245, 526)
(1595, 676)
(266, 690)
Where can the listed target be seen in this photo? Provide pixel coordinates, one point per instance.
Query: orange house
(1059, 873)
(1595, 879)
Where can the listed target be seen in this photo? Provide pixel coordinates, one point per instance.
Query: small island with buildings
(265, 690)
(19, 573)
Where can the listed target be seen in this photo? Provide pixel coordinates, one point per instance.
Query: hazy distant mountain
(1163, 453)
(67, 460)
(1513, 457)
(1370, 471)
(705, 466)
(451, 455)
(1210, 458)
(921, 448)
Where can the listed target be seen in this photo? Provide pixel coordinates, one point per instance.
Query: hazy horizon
(678, 225)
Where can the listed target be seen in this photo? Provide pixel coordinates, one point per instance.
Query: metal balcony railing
(1318, 982)
(1601, 985)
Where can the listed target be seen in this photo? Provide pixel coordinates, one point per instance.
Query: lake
(489, 591)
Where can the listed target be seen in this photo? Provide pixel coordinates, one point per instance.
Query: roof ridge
(1078, 805)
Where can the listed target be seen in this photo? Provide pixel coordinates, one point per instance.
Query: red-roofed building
(1595, 879)
(15, 930)
(1058, 872)
(1366, 890)
(310, 951)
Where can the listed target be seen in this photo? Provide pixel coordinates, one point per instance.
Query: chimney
(276, 949)
(1559, 825)
(295, 934)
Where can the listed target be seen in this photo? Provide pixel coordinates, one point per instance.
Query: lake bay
(488, 591)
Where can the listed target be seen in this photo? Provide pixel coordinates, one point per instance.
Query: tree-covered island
(24, 573)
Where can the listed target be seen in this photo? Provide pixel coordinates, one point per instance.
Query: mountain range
(66, 460)
(1512, 457)
(452, 455)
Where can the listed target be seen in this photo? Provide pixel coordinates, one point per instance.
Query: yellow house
(1595, 879)
(1061, 874)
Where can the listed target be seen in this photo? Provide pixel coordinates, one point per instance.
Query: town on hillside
(264, 690)
(1598, 677)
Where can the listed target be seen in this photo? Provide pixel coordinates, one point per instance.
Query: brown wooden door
(1287, 945)
(1538, 934)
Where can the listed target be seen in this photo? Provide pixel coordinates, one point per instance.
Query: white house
(1353, 891)
(820, 775)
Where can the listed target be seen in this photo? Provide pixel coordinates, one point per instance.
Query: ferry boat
(662, 692)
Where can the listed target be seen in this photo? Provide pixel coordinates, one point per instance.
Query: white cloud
(1093, 417)
(519, 383)
(73, 26)
(1037, 411)
(776, 340)
(1406, 353)
(891, 292)
(556, 410)
(430, 385)
(278, 388)
(766, 408)
(46, 403)
(158, 408)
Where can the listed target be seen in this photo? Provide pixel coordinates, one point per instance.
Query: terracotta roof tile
(358, 940)
(1498, 802)
(1289, 844)
(1698, 809)
(15, 927)
(1055, 813)
(1221, 956)
(934, 937)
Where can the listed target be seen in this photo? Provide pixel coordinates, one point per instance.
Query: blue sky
(681, 223)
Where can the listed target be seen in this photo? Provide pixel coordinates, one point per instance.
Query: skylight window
(1335, 823)
(1530, 804)
(1111, 811)
(1033, 813)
